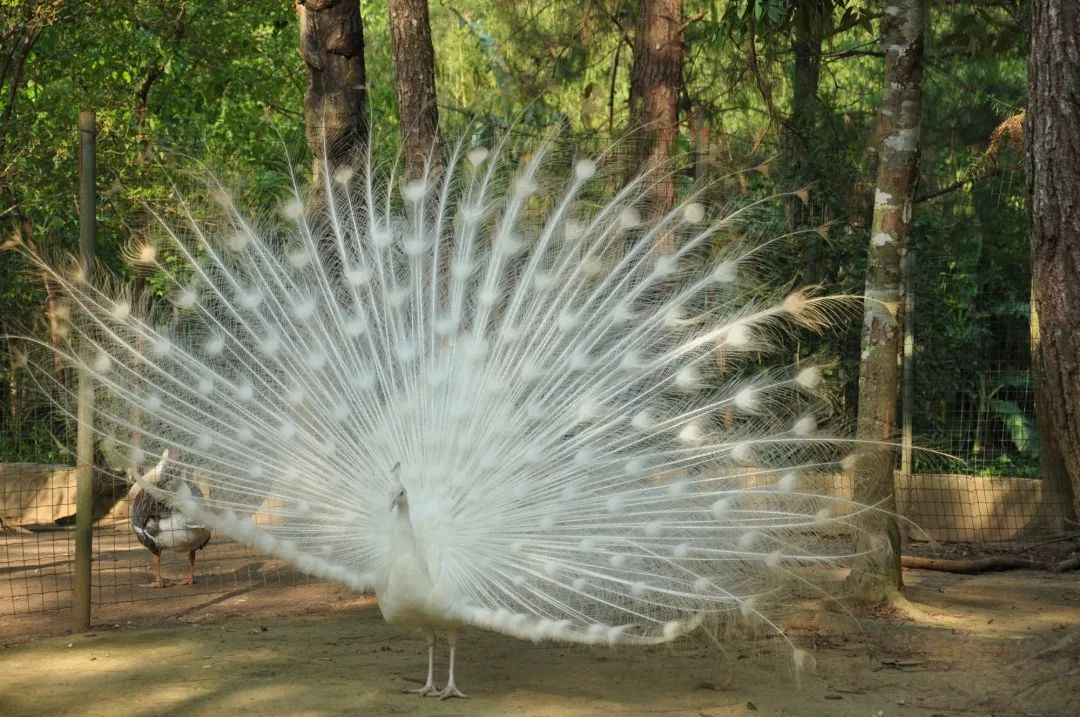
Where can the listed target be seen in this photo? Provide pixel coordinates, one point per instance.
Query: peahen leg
(451, 688)
(158, 583)
(191, 570)
(429, 687)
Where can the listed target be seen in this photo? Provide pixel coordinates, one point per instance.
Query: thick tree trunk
(332, 46)
(1056, 510)
(414, 85)
(654, 94)
(809, 27)
(801, 133)
(902, 37)
(1052, 134)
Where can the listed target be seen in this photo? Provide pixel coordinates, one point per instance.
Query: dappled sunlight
(1016, 604)
(238, 659)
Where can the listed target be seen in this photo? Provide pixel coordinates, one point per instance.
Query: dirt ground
(1000, 644)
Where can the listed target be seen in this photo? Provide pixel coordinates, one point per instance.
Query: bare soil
(999, 644)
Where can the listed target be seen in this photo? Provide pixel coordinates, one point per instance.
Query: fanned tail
(590, 448)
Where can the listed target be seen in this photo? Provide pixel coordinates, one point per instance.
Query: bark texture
(894, 201)
(414, 85)
(1056, 507)
(809, 28)
(802, 140)
(335, 118)
(1052, 134)
(654, 93)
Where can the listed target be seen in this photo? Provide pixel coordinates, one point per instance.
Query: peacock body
(494, 398)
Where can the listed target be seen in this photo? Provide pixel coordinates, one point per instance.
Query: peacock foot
(428, 689)
(451, 691)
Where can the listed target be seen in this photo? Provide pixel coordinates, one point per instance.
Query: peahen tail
(571, 394)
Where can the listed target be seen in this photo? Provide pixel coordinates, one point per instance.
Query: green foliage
(180, 86)
(1020, 427)
(175, 84)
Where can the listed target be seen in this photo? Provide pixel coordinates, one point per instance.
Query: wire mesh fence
(986, 486)
(973, 401)
(988, 491)
(37, 546)
(979, 512)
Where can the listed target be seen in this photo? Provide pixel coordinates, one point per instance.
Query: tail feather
(590, 450)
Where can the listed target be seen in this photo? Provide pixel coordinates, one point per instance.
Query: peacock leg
(451, 688)
(429, 687)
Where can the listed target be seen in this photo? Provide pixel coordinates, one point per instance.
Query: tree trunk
(801, 133)
(1056, 509)
(809, 27)
(654, 94)
(332, 46)
(414, 85)
(902, 37)
(1052, 136)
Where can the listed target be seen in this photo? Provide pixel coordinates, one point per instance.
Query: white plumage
(493, 399)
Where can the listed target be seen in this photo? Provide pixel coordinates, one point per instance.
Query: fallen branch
(1068, 564)
(1056, 539)
(973, 566)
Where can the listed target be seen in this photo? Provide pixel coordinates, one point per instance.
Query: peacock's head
(399, 499)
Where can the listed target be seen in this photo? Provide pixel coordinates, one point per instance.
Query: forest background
(770, 96)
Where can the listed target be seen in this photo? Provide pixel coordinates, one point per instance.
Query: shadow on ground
(1006, 644)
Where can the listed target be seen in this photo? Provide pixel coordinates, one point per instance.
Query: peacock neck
(401, 536)
(408, 567)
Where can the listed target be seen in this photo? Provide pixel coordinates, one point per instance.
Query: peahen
(499, 396)
(159, 525)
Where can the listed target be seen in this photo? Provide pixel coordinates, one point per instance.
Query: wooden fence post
(84, 452)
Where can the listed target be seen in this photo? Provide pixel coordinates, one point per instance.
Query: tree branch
(752, 58)
(695, 19)
(959, 184)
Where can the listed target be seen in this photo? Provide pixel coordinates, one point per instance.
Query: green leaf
(1020, 427)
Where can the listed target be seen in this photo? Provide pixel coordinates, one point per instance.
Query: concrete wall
(947, 507)
(40, 493)
(951, 507)
(35, 492)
